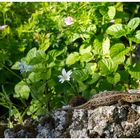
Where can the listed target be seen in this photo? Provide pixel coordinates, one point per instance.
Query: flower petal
(61, 80)
(68, 20)
(3, 27)
(64, 72)
(60, 76)
(69, 72)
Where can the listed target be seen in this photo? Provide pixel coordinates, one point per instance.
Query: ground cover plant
(52, 52)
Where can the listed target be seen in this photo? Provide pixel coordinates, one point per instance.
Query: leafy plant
(95, 42)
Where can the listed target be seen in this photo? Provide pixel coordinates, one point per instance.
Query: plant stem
(20, 79)
(130, 44)
(71, 86)
(76, 86)
(12, 72)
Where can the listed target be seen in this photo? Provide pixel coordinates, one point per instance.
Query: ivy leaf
(135, 71)
(34, 56)
(82, 86)
(14, 112)
(114, 79)
(72, 58)
(91, 68)
(97, 46)
(30, 55)
(37, 76)
(134, 23)
(86, 57)
(22, 90)
(81, 75)
(38, 67)
(136, 37)
(117, 78)
(35, 109)
(85, 54)
(45, 42)
(107, 66)
(95, 78)
(106, 46)
(118, 52)
(111, 12)
(117, 30)
(16, 66)
(84, 50)
(54, 53)
(39, 57)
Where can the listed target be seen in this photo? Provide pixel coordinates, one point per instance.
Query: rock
(8, 133)
(115, 121)
(23, 134)
(18, 131)
(104, 121)
(43, 132)
(78, 127)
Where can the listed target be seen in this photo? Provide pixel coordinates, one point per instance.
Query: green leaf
(39, 67)
(114, 79)
(136, 37)
(22, 90)
(54, 53)
(34, 56)
(35, 77)
(95, 78)
(106, 46)
(134, 23)
(72, 37)
(15, 66)
(82, 86)
(31, 110)
(72, 58)
(81, 75)
(111, 12)
(118, 52)
(14, 112)
(86, 57)
(110, 79)
(116, 30)
(52, 83)
(97, 46)
(30, 55)
(86, 54)
(39, 57)
(83, 50)
(45, 43)
(103, 10)
(35, 108)
(103, 84)
(135, 71)
(107, 66)
(91, 67)
(38, 89)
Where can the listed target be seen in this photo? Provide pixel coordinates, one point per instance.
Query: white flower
(112, 21)
(24, 67)
(3, 27)
(68, 20)
(65, 76)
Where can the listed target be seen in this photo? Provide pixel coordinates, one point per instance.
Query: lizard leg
(122, 102)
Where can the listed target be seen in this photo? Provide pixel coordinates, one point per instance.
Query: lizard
(108, 98)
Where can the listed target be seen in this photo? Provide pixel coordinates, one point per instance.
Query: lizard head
(132, 98)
